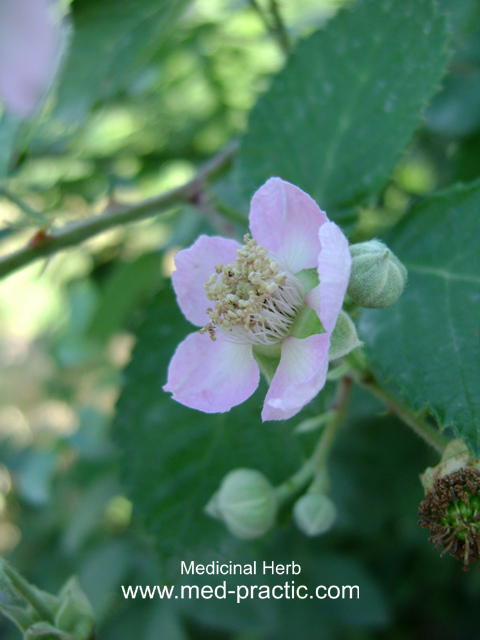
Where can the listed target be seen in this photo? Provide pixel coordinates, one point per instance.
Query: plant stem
(409, 417)
(277, 29)
(280, 29)
(36, 216)
(28, 592)
(318, 459)
(76, 232)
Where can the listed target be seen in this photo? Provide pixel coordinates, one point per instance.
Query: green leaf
(130, 284)
(175, 457)
(428, 343)
(339, 115)
(112, 41)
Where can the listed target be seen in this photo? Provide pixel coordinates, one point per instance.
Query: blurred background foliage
(117, 132)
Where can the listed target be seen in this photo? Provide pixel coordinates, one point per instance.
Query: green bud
(246, 502)
(344, 337)
(75, 615)
(314, 513)
(378, 277)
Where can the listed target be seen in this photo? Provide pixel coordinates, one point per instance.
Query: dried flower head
(451, 510)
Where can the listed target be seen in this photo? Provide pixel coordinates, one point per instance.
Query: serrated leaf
(112, 39)
(428, 343)
(175, 457)
(336, 119)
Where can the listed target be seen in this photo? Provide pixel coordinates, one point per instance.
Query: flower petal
(285, 220)
(30, 39)
(212, 376)
(299, 377)
(194, 266)
(334, 263)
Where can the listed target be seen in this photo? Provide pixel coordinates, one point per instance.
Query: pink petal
(299, 377)
(30, 39)
(334, 263)
(212, 376)
(285, 220)
(194, 266)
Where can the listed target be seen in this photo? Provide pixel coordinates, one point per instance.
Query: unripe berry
(246, 502)
(377, 278)
(314, 513)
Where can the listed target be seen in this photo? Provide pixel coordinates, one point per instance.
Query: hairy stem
(318, 459)
(76, 232)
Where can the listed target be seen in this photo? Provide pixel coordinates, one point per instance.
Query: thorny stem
(76, 232)
(28, 592)
(318, 459)
(409, 417)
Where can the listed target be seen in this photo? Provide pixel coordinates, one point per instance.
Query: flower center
(254, 300)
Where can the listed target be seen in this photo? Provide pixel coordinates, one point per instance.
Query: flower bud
(377, 278)
(314, 513)
(75, 615)
(246, 502)
(344, 337)
(451, 508)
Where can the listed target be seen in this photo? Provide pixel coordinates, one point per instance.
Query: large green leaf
(428, 343)
(338, 116)
(174, 457)
(112, 39)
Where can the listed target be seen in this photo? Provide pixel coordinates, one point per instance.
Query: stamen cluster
(254, 300)
(452, 513)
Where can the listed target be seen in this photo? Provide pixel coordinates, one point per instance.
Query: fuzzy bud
(75, 615)
(314, 513)
(344, 337)
(246, 502)
(377, 278)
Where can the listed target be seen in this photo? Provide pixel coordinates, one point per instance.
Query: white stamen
(254, 301)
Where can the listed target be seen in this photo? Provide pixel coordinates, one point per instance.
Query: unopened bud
(314, 513)
(377, 278)
(451, 508)
(344, 337)
(75, 615)
(246, 502)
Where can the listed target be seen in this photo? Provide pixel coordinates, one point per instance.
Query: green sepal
(45, 631)
(344, 337)
(22, 617)
(267, 363)
(308, 278)
(307, 323)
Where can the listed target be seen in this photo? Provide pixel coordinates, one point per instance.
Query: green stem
(76, 232)
(29, 593)
(409, 417)
(318, 459)
(280, 28)
(37, 217)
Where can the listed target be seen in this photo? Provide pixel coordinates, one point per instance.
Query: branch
(72, 234)
(420, 426)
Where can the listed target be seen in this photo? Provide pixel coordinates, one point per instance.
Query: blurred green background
(67, 329)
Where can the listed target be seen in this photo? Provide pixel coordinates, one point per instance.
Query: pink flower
(258, 297)
(30, 39)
